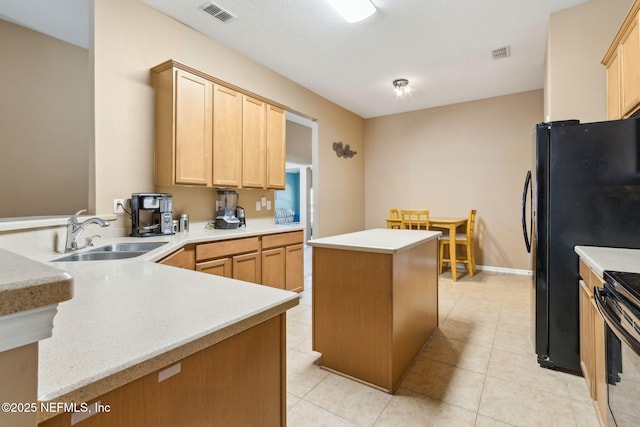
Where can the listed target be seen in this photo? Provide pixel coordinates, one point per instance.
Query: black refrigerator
(584, 189)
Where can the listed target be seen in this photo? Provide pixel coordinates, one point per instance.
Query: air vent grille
(502, 52)
(218, 12)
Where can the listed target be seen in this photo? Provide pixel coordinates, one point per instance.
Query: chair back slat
(415, 219)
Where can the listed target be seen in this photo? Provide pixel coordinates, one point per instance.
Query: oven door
(623, 363)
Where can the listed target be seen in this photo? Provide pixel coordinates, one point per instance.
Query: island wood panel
(238, 382)
(415, 304)
(374, 312)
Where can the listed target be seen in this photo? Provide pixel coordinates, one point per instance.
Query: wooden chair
(415, 220)
(394, 220)
(466, 239)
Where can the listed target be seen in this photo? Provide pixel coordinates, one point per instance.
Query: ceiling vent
(218, 12)
(502, 52)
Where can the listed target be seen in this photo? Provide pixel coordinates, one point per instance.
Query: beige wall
(298, 143)
(130, 38)
(455, 158)
(44, 124)
(578, 38)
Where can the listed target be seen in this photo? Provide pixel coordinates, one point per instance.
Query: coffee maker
(151, 214)
(226, 210)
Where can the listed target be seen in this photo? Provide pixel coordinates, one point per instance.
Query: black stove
(619, 304)
(625, 284)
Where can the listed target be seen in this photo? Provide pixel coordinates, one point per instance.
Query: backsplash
(200, 203)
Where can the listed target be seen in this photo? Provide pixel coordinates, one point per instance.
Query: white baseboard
(505, 270)
(498, 269)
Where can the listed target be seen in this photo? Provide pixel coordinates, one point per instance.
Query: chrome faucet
(74, 230)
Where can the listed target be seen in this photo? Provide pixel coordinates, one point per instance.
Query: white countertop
(382, 240)
(26, 284)
(131, 317)
(616, 259)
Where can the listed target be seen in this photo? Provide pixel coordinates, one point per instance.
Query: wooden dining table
(451, 224)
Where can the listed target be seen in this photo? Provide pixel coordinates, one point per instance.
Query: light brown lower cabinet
(247, 267)
(283, 261)
(294, 277)
(275, 260)
(219, 267)
(184, 257)
(592, 341)
(273, 267)
(237, 382)
(235, 258)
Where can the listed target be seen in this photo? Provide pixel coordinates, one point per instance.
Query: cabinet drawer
(596, 280)
(585, 272)
(282, 239)
(226, 248)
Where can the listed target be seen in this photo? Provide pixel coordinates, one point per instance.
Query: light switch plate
(258, 205)
(264, 201)
(268, 205)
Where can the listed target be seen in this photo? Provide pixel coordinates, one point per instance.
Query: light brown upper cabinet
(276, 147)
(183, 151)
(622, 61)
(211, 133)
(613, 88)
(227, 137)
(253, 143)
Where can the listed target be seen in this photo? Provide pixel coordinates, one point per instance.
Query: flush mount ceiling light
(401, 87)
(353, 10)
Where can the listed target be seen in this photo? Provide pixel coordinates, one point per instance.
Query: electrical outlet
(268, 205)
(258, 205)
(264, 201)
(118, 206)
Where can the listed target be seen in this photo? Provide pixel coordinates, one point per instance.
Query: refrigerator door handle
(525, 232)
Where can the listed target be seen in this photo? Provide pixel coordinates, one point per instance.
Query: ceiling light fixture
(353, 10)
(401, 87)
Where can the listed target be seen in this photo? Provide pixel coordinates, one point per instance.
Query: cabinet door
(276, 147)
(613, 88)
(294, 268)
(587, 356)
(247, 267)
(219, 267)
(600, 365)
(193, 121)
(183, 258)
(630, 67)
(273, 268)
(227, 137)
(253, 143)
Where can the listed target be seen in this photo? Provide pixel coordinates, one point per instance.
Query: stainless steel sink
(113, 251)
(129, 247)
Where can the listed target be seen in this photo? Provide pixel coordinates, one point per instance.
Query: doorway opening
(296, 203)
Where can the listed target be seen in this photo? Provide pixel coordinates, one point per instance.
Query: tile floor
(479, 368)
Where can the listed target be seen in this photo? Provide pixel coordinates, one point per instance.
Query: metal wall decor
(343, 151)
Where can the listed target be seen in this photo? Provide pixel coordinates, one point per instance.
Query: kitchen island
(375, 302)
